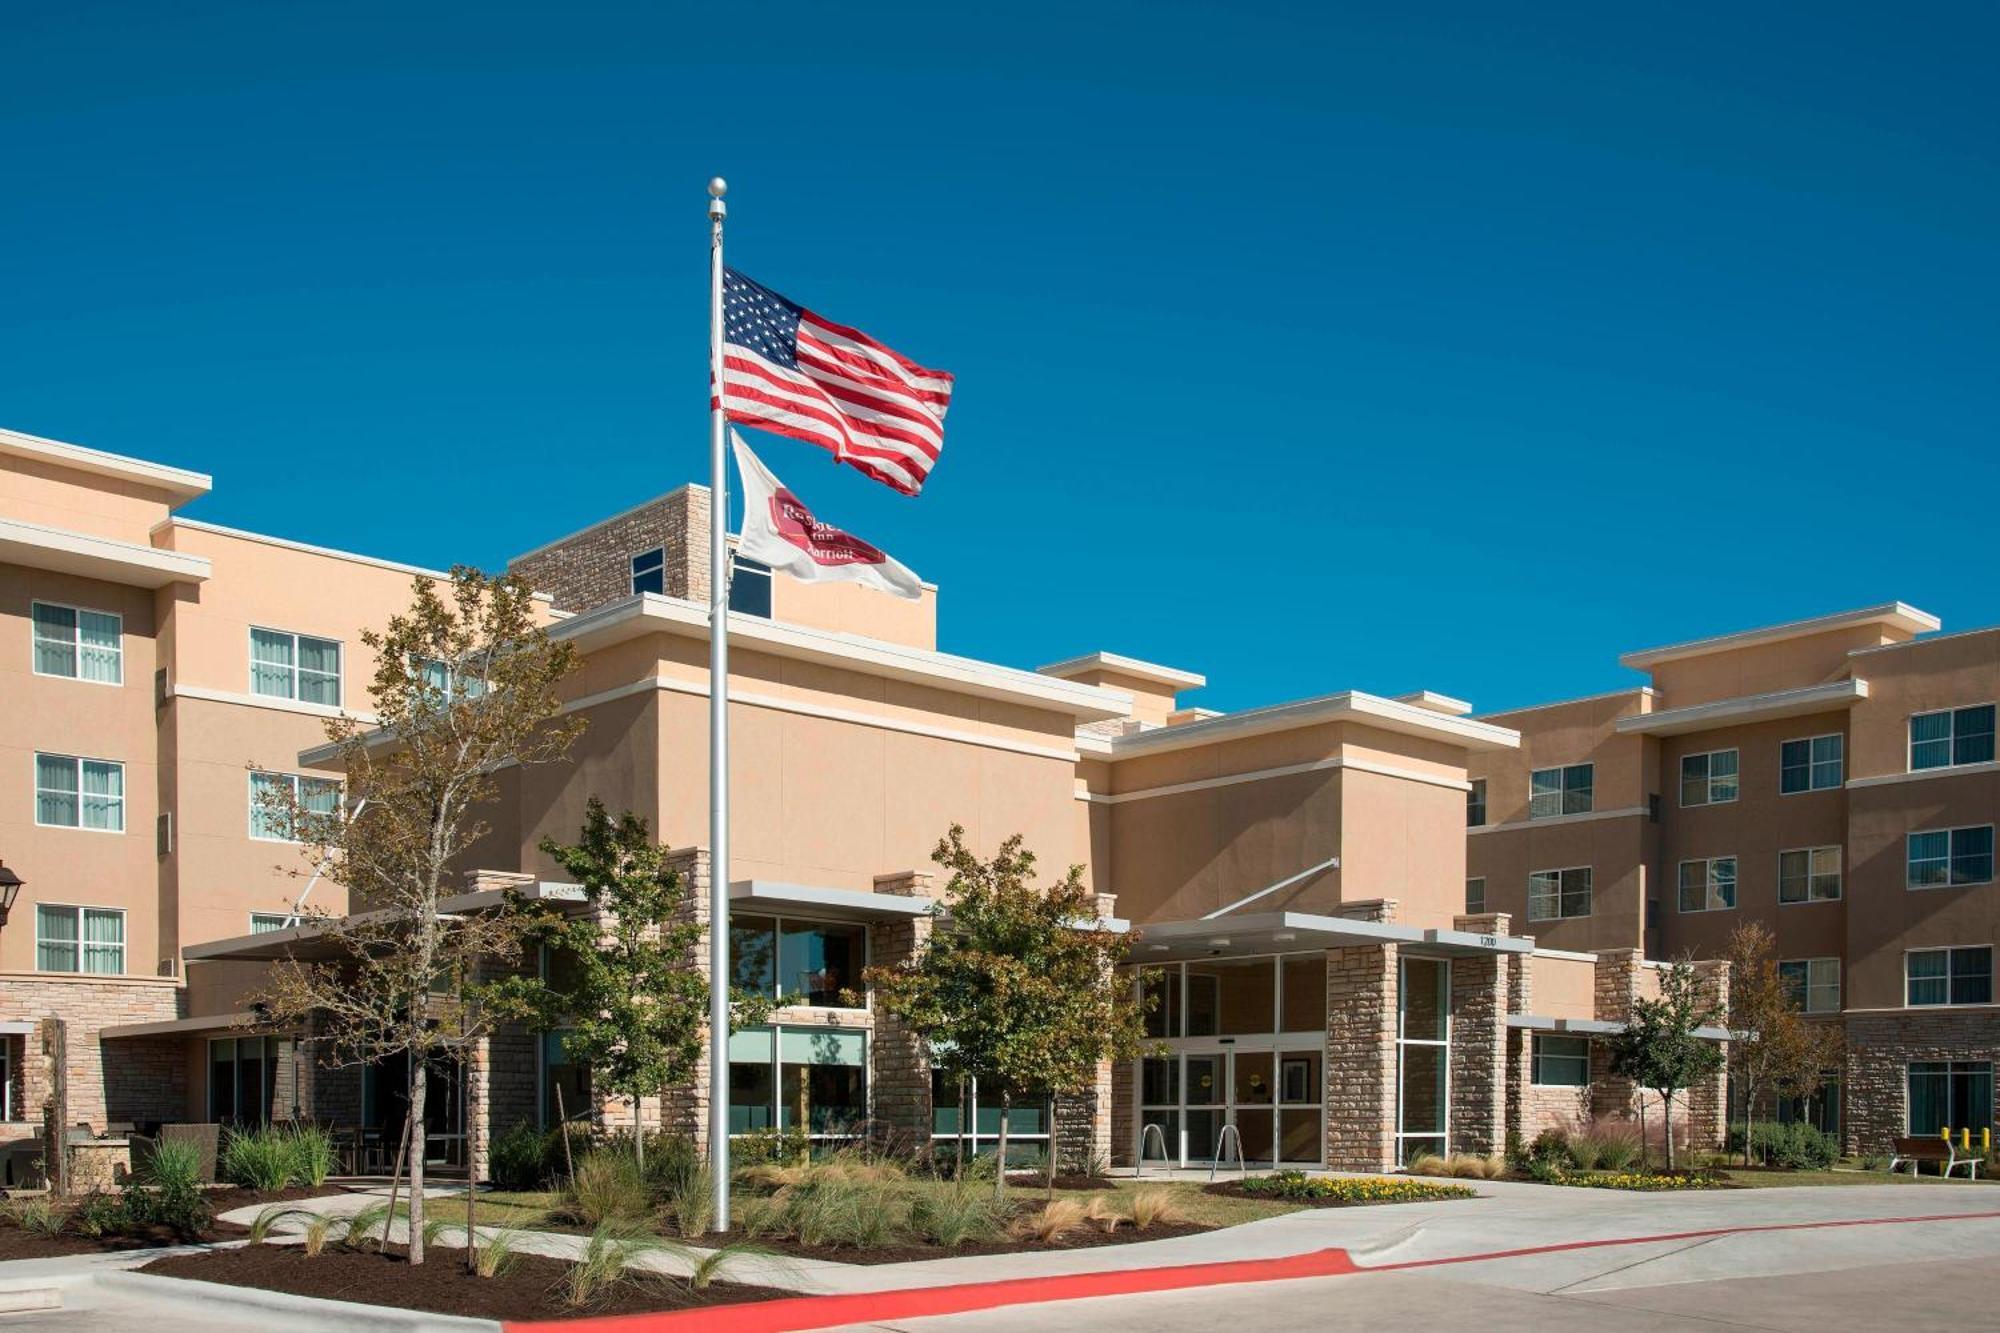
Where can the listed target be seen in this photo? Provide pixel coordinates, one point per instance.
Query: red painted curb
(808, 1312)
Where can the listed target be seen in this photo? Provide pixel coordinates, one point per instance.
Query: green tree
(1659, 1050)
(1014, 985)
(1774, 1047)
(465, 685)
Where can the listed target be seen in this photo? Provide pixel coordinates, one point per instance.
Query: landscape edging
(299, 1314)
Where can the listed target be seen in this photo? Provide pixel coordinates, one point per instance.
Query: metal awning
(1297, 932)
(311, 942)
(770, 895)
(246, 1020)
(1595, 1027)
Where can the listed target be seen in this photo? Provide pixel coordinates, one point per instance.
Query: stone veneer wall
(1479, 1005)
(595, 566)
(1124, 1112)
(1708, 1102)
(136, 1079)
(1361, 1051)
(1083, 1123)
(1880, 1047)
(682, 1110)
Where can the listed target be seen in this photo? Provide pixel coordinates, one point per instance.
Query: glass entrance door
(1274, 1098)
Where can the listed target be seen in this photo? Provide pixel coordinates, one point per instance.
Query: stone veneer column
(899, 1075)
(1520, 1049)
(682, 1110)
(1361, 1051)
(1708, 1102)
(1617, 984)
(1479, 991)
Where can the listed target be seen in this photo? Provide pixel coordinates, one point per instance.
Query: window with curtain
(1816, 763)
(1950, 1094)
(1809, 875)
(1708, 885)
(79, 793)
(1941, 858)
(1554, 894)
(1948, 976)
(1561, 1062)
(1812, 983)
(1951, 736)
(90, 940)
(284, 665)
(78, 644)
(1708, 779)
(265, 923)
(271, 822)
(1570, 790)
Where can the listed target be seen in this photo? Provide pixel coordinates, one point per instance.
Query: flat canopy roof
(1595, 1027)
(245, 1020)
(1299, 932)
(309, 940)
(1895, 615)
(842, 904)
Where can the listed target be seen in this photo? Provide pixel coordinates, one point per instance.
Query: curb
(295, 1314)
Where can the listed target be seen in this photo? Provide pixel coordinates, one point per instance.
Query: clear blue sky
(1311, 347)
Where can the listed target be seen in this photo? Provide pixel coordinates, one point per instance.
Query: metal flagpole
(718, 726)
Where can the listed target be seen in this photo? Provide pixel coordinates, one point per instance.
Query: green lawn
(1791, 1179)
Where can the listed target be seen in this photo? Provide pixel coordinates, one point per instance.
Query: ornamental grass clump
(313, 1156)
(954, 1213)
(258, 1159)
(1051, 1222)
(609, 1186)
(1156, 1208)
(608, 1263)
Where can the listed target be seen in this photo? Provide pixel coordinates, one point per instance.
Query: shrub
(1796, 1146)
(181, 1209)
(37, 1217)
(1618, 1152)
(769, 1145)
(607, 1187)
(313, 1155)
(1156, 1207)
(1551, 1145)
(259, 1159)
(1545, 1170)
(516, 1157)
(955, 1213)
(1585, 1151)
(1873, 1162)
(98, 1215)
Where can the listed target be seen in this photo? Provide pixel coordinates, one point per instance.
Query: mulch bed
(439, 1285)
(1084, 1238)
(18, 1244)
(1036, 1180)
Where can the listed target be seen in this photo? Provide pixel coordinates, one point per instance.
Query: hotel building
(1346, 973)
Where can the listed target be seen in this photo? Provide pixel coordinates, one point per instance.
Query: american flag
(787, 370)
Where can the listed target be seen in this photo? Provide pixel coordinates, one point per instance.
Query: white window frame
(1536, 1056)
(1812, 765)
(83, 945)
(78, 761)
(777, 1028)
(1993, 854)
(296, 779)
(1710, 881)
(282, 920)
(1562, 790)
(1590, 892)
(1950, 738)
(339, 671)
(1708, 779)
(1813, 875)
(1816, 983)
(76, 642)
(1947, 950)
(632, 570)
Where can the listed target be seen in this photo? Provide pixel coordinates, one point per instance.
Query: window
(1948, 976)
(976, 1118)
(1562, 1062)
(79, 793)
(649, 571)
(1423, 1051)
(270, 821)
(1553, 894)
(1475, 804)
(7, 1077)
(1813, 983)
(749, 587)
(79, 939)
(264, 923)
(1560, 791)
(778, 1073)
(1940, 858)
(78, 644)
(294, 666)
(1708, 779)
(1950, 1094)
(1816, 763)
(242, 1079)
(1809, 875)
(440, 679)
(1708, 886)
(1475, 895)
(1950, 737)
(797, 962)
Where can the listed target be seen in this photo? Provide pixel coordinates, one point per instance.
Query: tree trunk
(1000, 1176)
(1667, 1123)
(638, 1138)
(964, 1115)
(1749, 1120)
(418, 1087)
(471, 1194)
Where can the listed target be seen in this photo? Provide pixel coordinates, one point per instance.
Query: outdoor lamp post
(10, 889)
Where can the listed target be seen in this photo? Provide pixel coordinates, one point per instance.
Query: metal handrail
(1222, 1139)
(1152, 1127)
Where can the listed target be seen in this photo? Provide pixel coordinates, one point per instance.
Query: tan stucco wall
(35, 490)
(1562, 987)
(850, 608)
(1786, 664)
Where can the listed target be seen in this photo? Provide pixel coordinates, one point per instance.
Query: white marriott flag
(779, 531)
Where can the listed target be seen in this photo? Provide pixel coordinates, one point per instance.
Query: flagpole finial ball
(717, 187)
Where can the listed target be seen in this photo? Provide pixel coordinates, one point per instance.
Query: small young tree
(1015, 985)
(632, 1005)
(465, 684)
(1659, 1049)
(1774, 1047)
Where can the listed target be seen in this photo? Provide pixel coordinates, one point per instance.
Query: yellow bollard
(1965, 1138)
(1986, 1140)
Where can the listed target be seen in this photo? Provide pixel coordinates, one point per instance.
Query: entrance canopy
(1298, 932)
